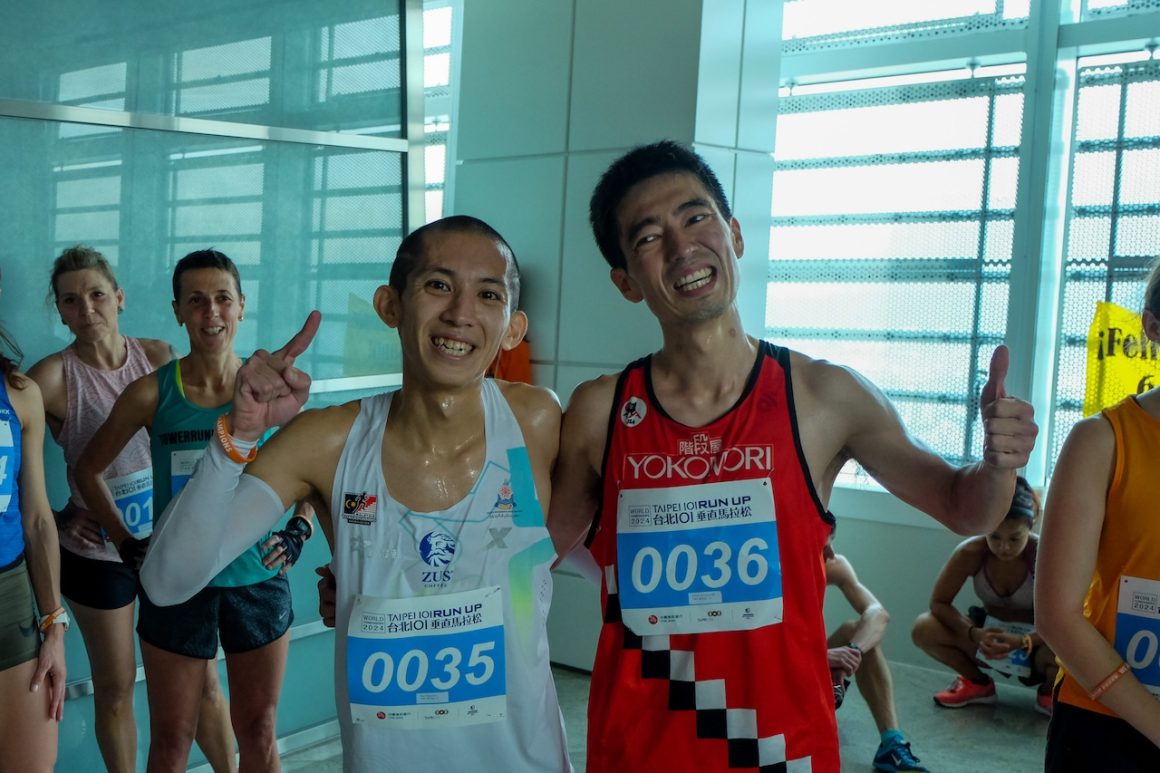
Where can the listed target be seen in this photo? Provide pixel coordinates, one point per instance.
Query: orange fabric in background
(514, 365)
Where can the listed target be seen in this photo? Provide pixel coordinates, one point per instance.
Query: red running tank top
(712, 536)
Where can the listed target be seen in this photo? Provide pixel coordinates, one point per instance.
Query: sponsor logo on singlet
(359, 507)
(182, 437)
(437, 549)
(505, 500)
(633, 411)
(698, 458)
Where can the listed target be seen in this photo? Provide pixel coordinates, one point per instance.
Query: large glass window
(1113, 223)
(286, 63)
(819, 24)
(311, 225)
(272, 130)
(438, 74)
(945, 182)
(891, 245)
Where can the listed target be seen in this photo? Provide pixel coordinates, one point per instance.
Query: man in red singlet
(700, 477)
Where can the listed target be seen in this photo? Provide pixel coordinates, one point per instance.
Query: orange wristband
(227, 443)
(1109, 680)
(51, 617)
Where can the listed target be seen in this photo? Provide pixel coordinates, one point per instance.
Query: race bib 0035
(1138, 629)
(133, 495)
(430, 661)
(701, 558)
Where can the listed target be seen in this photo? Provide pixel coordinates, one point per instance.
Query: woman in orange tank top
(1098, 584)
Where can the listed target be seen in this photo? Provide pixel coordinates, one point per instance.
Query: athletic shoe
(1043, 703)
(963, 692)
(897, 757)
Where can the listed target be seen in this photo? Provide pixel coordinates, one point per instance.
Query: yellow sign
(1121, 361)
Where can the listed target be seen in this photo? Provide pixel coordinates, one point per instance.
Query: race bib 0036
(133, 495)
(701, 558)
(430, 661)
(1138, 629)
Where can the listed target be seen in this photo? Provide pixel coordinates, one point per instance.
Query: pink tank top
(91, 393)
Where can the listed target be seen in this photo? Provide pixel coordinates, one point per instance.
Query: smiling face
(453, 315)
(88, 304)
(681, 253)
(210, 306)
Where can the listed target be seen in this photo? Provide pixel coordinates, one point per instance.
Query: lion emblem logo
(437, 548)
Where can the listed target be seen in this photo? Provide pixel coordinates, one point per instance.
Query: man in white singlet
(440, 551)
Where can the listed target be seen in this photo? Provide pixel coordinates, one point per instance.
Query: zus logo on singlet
(693, 559)
(698, 466)
(7, 461)
(1138, 629)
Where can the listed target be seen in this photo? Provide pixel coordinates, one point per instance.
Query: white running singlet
(442, 651)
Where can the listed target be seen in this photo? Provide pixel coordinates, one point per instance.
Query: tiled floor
(1006, 738)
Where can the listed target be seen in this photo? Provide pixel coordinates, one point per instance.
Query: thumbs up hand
(1008, 422)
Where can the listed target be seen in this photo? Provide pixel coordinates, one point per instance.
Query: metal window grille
(219, 79)
(438, 20)
(813, 25)
(1113, 216)
(360, 57)
(1102, 9)
(891, 244)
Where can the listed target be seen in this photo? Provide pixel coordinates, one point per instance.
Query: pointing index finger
(302, 339)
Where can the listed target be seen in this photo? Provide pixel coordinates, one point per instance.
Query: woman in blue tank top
(247, 607)
(32, 621)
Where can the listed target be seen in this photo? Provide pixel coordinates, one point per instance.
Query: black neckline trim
(763, 350)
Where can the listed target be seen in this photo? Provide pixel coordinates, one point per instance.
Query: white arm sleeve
(213, 520)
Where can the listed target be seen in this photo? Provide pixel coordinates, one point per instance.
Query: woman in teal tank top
(247, 606)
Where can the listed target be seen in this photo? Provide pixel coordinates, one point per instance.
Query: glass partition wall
(288, 134)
